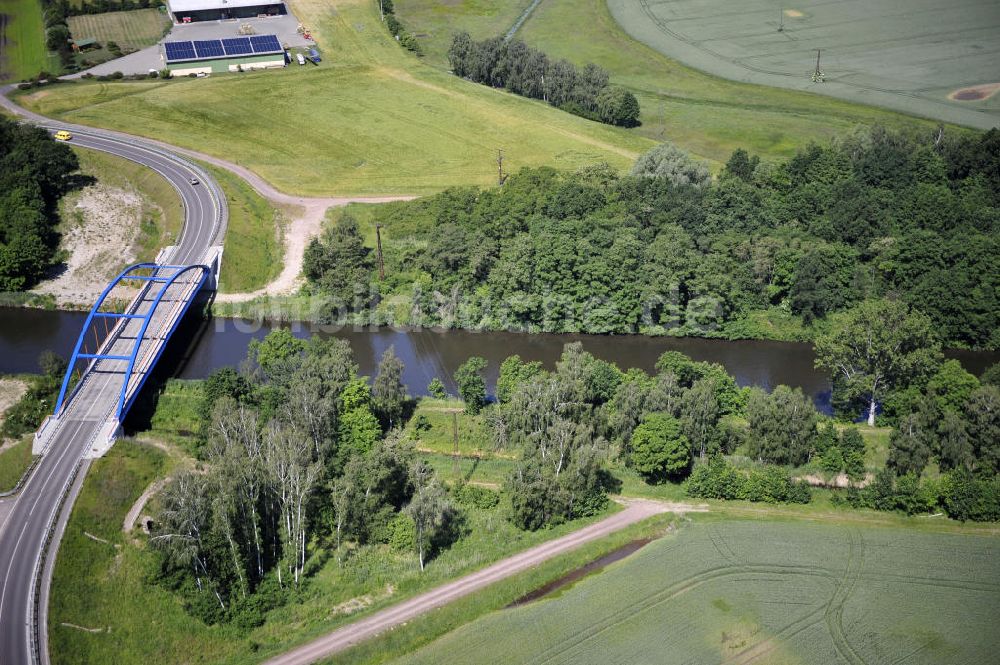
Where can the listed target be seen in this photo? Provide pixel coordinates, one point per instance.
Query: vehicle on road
(63, 135)
(193, 181)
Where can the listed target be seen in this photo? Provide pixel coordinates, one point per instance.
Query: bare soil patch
(100, 225)
(975, 93)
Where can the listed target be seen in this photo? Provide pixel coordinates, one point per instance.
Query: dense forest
(35, 171)
(515, 66)
(762, 250)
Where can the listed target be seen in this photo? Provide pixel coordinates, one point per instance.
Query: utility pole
(500, 176)
(818, 76)
(378, 243)
(781, 20)
(380, 11)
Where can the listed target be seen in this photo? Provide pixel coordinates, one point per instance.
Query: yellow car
(63, 135)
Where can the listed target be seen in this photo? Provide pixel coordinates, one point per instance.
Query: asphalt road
(24, 533)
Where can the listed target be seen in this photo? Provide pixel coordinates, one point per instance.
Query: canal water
(203, 346)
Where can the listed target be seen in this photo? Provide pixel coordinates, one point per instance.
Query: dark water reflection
(208, 345)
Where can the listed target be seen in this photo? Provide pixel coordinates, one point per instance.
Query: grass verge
(14, 461)
(425, 629)
(254, 250)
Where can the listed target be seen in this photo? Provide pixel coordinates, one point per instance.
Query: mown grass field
(22, 41)
(134, 29)
(706, 115)
(162, 214)
(442, 418)
(433, 23)
(372, 119)
(775, 592)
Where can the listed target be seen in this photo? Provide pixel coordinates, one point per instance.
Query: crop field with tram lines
(759, 591)
(932, 59)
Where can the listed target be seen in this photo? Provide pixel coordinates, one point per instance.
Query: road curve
(24, 534)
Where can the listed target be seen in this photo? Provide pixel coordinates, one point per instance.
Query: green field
(933, 49)
(433, 23)
(706, 115)
(441, 417)
(134, 29)
(22, 41)
(371, 119)
(736, 591)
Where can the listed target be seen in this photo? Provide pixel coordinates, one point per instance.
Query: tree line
(691, 423)
(35, 172)
(525, 71)
(301, 456)
(764, 250)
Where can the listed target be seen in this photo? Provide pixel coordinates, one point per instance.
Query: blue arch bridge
(122, 338)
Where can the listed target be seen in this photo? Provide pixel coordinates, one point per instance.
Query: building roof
(231, 47)
(181, 6)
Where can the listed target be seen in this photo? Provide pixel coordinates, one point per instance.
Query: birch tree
(292, 474)
(389, 393)
(429, 509)
(182, 526)
(880, 346)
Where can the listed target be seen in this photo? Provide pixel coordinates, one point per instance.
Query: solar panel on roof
(265, 44)
(237, 46)
(179, 50)
(211, 48)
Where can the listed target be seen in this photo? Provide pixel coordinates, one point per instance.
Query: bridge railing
(132, 273)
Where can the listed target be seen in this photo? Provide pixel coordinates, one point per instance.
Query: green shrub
(476, 496)
(771, 484)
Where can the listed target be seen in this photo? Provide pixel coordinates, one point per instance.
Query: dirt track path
(306, 221)
(359, 631)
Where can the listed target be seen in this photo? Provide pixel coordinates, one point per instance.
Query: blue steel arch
(127, 275)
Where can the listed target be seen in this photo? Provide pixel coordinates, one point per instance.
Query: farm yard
(909, 56)
(131, 30)
(775, 592)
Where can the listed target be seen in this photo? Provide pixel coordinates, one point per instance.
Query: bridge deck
(98, 395)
